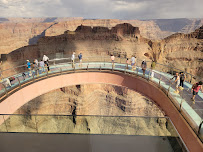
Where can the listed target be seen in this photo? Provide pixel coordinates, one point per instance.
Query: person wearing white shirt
(73, 59)
(41, 66)
(46, 61)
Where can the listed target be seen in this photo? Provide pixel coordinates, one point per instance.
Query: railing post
(112, 67)
(172, 70)
(19, 82)
(148, 75)
(169, 87)
(137, 70)
(160, 81)
(74, 68)
(181, 101)
(47, 72)
(100, 68)
(36, 124)
(60, 70)
(5, 123)
(87, 66)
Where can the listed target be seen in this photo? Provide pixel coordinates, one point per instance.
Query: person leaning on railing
(195, 88)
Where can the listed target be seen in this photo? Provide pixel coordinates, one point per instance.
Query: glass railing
(100, 125)
(162, 77)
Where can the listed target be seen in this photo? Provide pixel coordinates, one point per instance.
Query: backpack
(11, 78)
(182, 76)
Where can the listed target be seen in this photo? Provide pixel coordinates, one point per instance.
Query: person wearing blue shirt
(29, 68)
(80, 59)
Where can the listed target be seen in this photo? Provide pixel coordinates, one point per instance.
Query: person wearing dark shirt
(182, 79)
(144, 66)
(80, 59)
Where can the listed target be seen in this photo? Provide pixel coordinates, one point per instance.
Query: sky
(103, 9)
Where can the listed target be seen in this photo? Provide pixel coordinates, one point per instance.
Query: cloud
(120, 9)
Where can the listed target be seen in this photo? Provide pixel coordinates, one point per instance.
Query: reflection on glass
(20, 123)
(2, 124)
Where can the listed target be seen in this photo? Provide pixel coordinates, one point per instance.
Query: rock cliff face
(23, 31)
(182, 51)
(123, 40)
(92, 99)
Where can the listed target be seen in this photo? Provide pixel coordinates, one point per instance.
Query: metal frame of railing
(72, 68)
(173, 69)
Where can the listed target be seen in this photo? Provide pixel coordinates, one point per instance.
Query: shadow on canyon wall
(35, 39)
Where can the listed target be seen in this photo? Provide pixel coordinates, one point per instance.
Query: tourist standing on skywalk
(177, 81)
(36, 68)
(80, 59)
(29, 68)
(195, 88)
(127, 63)
(46, 61)
(73, 59)
(182, 79)
(41, 66)
(144, 66)
(112, 59)
(133, 62)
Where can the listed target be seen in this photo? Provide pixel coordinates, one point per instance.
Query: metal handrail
(59, 59)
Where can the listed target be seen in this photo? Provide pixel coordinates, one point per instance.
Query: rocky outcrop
(109, 103)
(92, 99)
(23, 31)
(123, 40)
(182, 51)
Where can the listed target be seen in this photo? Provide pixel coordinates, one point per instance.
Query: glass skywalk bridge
(158, 132)
(193, 113)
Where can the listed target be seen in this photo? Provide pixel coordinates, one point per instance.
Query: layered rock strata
(26, 31)
(91, 99)
(181, 51)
